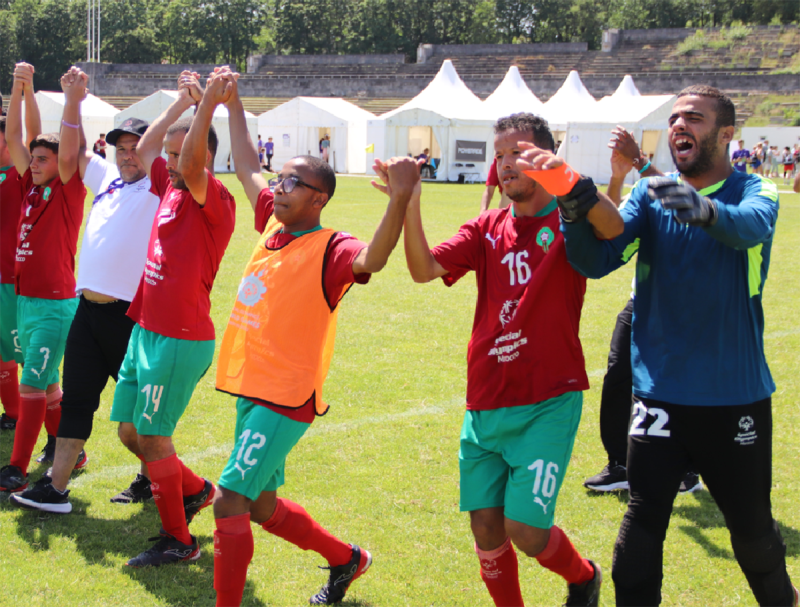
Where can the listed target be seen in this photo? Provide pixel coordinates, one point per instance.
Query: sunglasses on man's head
(289, 183)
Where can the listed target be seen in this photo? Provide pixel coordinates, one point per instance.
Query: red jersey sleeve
(159, 177)
(264, 209)
(493, 178)
(218, 201)
(338, 271)
(459, 254)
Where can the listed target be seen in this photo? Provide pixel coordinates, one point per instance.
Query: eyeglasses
(289, 183)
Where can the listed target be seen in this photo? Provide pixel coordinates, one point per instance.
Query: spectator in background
(99, 147)
(326, 148)
(757, 158)
(788, 165)
(492, 182)
(269, 150)
(260, 152)
(425, 169)
(741, 158)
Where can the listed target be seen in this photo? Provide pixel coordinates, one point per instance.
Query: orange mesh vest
(278, 343)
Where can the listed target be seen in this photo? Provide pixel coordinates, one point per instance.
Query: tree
(130, 32)
(8, 49)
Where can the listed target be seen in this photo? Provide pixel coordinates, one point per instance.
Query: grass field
(380, 469)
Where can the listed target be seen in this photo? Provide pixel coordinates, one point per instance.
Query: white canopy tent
(297, 126)
(97, 116)
(586, 142)
(570, 102)
(511, 96)
(447, 115)
(153, 106)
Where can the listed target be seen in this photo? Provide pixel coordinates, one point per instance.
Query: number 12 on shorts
(656, 428)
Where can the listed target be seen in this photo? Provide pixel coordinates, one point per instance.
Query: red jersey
(11, 196)
(186, 246)
(47, 239)
(338, 273)
(493, 178)
(524, 347)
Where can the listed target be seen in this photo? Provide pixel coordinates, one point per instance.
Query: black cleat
(166, 550)
(49, 451)
(139, 491)
(690, 483)
(613, 477)
(43, 496)
(588, 593)
(192, 504)
(12, 479)
(7, 423)
(341, 577)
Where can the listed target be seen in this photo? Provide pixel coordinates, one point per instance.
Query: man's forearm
(69, 144)
(33, 119)
(387, 234)
(605, 218)
(194, 152)
(419, 259)
(149, 146)
(614, 190)
(486, 199)
(245, 156)
(20, 155)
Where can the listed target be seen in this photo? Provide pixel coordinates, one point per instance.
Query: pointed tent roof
(628, 105)
(446, 95)
(316, 111)
(626, 88)
(91, 106)
(571, 102)
(512, 95)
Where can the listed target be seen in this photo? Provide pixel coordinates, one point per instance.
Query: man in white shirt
(112, 262)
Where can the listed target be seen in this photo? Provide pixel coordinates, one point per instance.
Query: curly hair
(528, 123)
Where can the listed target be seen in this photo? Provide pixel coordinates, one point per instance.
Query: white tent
(511, 96)
(297, 126)
(570, 102)
(587, 136)
(97, 116)
(153, 106)
(446, 117)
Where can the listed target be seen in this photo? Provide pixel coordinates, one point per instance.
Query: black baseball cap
(134, 126)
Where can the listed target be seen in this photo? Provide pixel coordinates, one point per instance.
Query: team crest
(545, 238)
(46, 194)
(127, 123)
(2, 177)
(746, 423)
(251, 289)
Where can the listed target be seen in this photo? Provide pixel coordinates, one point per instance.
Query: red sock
(500, 573)
(191, 483)
(31, 417)
(9, 388)
(560, 556)
(233, 551)
(53, 416)
(291, 522)
(165, 482)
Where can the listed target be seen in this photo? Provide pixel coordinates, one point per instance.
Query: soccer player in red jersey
(172, 345)
(277, 348)
(45, 273)
(525, 366)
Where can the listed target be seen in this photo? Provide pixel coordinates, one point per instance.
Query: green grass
(381, 468)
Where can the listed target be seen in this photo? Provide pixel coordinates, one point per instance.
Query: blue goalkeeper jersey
(698, 323)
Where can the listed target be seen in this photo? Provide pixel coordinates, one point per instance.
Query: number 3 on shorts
(656, 428)
(244, 456)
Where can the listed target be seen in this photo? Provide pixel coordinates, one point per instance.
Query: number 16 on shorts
(544, 486)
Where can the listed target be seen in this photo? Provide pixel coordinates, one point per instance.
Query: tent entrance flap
(420, 138)
(650, 142)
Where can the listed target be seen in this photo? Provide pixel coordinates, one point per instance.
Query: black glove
(580, 200)
(687, 206)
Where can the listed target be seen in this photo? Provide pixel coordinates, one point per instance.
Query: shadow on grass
(110, 542)
(621, 496)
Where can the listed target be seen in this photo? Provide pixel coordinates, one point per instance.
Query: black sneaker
(7, 423)
(192, 504)
(690, 483)
(49, 451)
(12, 479)
(166, 550)
(613, 477)
(139, 491)
(341, 577)
(587, 593)
(43, 496)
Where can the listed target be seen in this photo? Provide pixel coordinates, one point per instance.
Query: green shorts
(10, 348)
(156, 380)
(263, 440)
(517, 457)
(43, 326)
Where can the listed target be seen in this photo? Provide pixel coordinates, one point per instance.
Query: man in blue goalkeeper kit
(704, 236)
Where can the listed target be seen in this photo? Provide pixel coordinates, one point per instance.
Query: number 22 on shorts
(244, 456)
(656, 428)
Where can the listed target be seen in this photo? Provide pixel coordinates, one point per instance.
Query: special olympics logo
(251, 290)
(508, 311)
(746, 423)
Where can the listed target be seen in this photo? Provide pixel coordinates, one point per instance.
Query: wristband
(558, 181)
(72, 126)
(645, 167)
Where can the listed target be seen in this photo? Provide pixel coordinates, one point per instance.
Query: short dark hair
(47, 140)
(726, 111)
(324, 171)
(184, 124)
(3, 125)
(528, 123)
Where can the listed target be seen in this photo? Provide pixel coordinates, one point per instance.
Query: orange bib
(278, 343)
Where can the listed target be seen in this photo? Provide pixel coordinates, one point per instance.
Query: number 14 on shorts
(547, 488)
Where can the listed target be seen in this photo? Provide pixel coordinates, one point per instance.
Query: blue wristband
(645, 167)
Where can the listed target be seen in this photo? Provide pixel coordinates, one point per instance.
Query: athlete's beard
(706, 148)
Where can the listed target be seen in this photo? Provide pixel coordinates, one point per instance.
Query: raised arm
(245, 155)
(626, 155)
(73, 83)
(23, 86)
(149, 146)
(400, 177)
(33, 120)
(486, 199)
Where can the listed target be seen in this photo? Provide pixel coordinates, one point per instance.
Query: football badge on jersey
(545, 238)
(251, 289)
(2, 177)
(46, 194)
